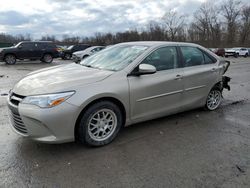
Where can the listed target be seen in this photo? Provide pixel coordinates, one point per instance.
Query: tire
(92, 124)
(10, 59)
(214, 99)
(47, 58)
(67, 56)
(236, 55)
(246, 55)
(85, 56)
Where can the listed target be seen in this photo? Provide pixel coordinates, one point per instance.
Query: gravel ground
(191, 149)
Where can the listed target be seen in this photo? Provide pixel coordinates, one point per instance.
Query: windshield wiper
(90, 66)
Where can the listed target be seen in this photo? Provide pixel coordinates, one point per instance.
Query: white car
(78, 56)
(237, 52)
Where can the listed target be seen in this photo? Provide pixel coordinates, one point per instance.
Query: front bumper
(75, 58)
(50, 125)
(230, 53)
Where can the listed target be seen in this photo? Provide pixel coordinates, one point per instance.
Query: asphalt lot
(191, 149)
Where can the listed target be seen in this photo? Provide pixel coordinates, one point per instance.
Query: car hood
(7, 48)
(79, 53)
(58, 79)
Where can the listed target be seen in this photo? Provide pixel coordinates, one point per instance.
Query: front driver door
(157, 94)
(26, 50)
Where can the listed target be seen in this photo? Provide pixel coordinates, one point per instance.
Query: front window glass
(27, 45)
(163, 58)
(114, 58)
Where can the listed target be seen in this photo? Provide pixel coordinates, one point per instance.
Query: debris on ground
(237, 102)
(240, 169)
(1, 76)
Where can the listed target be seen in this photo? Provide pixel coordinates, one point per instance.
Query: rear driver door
(200, 74)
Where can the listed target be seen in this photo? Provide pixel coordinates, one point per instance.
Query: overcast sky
(84, 17)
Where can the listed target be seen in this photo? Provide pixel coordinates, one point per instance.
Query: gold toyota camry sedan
(121, 85)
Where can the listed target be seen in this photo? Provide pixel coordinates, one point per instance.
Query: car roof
(158, 43)
(36, 42)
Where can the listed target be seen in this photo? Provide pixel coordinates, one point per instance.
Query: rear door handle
(178, 77)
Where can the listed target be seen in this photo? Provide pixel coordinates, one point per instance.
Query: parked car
(118, 86)
(236, 52)
(79, 55)
(230, 52)
(42, 50)
(219, 52)
(67, 54)
(60, 48)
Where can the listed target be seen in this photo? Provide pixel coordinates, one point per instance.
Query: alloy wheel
(213, 99)
(10, 59)
(102, 124)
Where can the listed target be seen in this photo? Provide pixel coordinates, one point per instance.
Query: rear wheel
(47, 58)
(10, 59)
(100, 124)
(246, 55)
(213, 99)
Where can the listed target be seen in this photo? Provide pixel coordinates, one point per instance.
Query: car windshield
(114, 58)
(70, 47)
(17, 44)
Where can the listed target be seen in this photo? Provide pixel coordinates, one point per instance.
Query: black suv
(44, 51)
(67, 54)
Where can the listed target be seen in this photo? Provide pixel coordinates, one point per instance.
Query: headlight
(49, 100)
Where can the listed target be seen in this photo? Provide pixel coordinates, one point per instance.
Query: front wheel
(213, 99)
(10, 59)
(47, 58)
(100, 124)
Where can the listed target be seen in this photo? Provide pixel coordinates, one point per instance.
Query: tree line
(212, 25)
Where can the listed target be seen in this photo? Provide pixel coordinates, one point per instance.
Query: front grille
(18, 123)
(15, 98)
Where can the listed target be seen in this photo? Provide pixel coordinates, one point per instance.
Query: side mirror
(147, 69)
(143, 69)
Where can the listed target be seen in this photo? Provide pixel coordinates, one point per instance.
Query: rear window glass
(193, 56)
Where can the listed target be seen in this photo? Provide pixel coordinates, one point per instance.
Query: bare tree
(245, 27)
(174, 23)
(231, 12)
(206, 25)
(48, 38)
